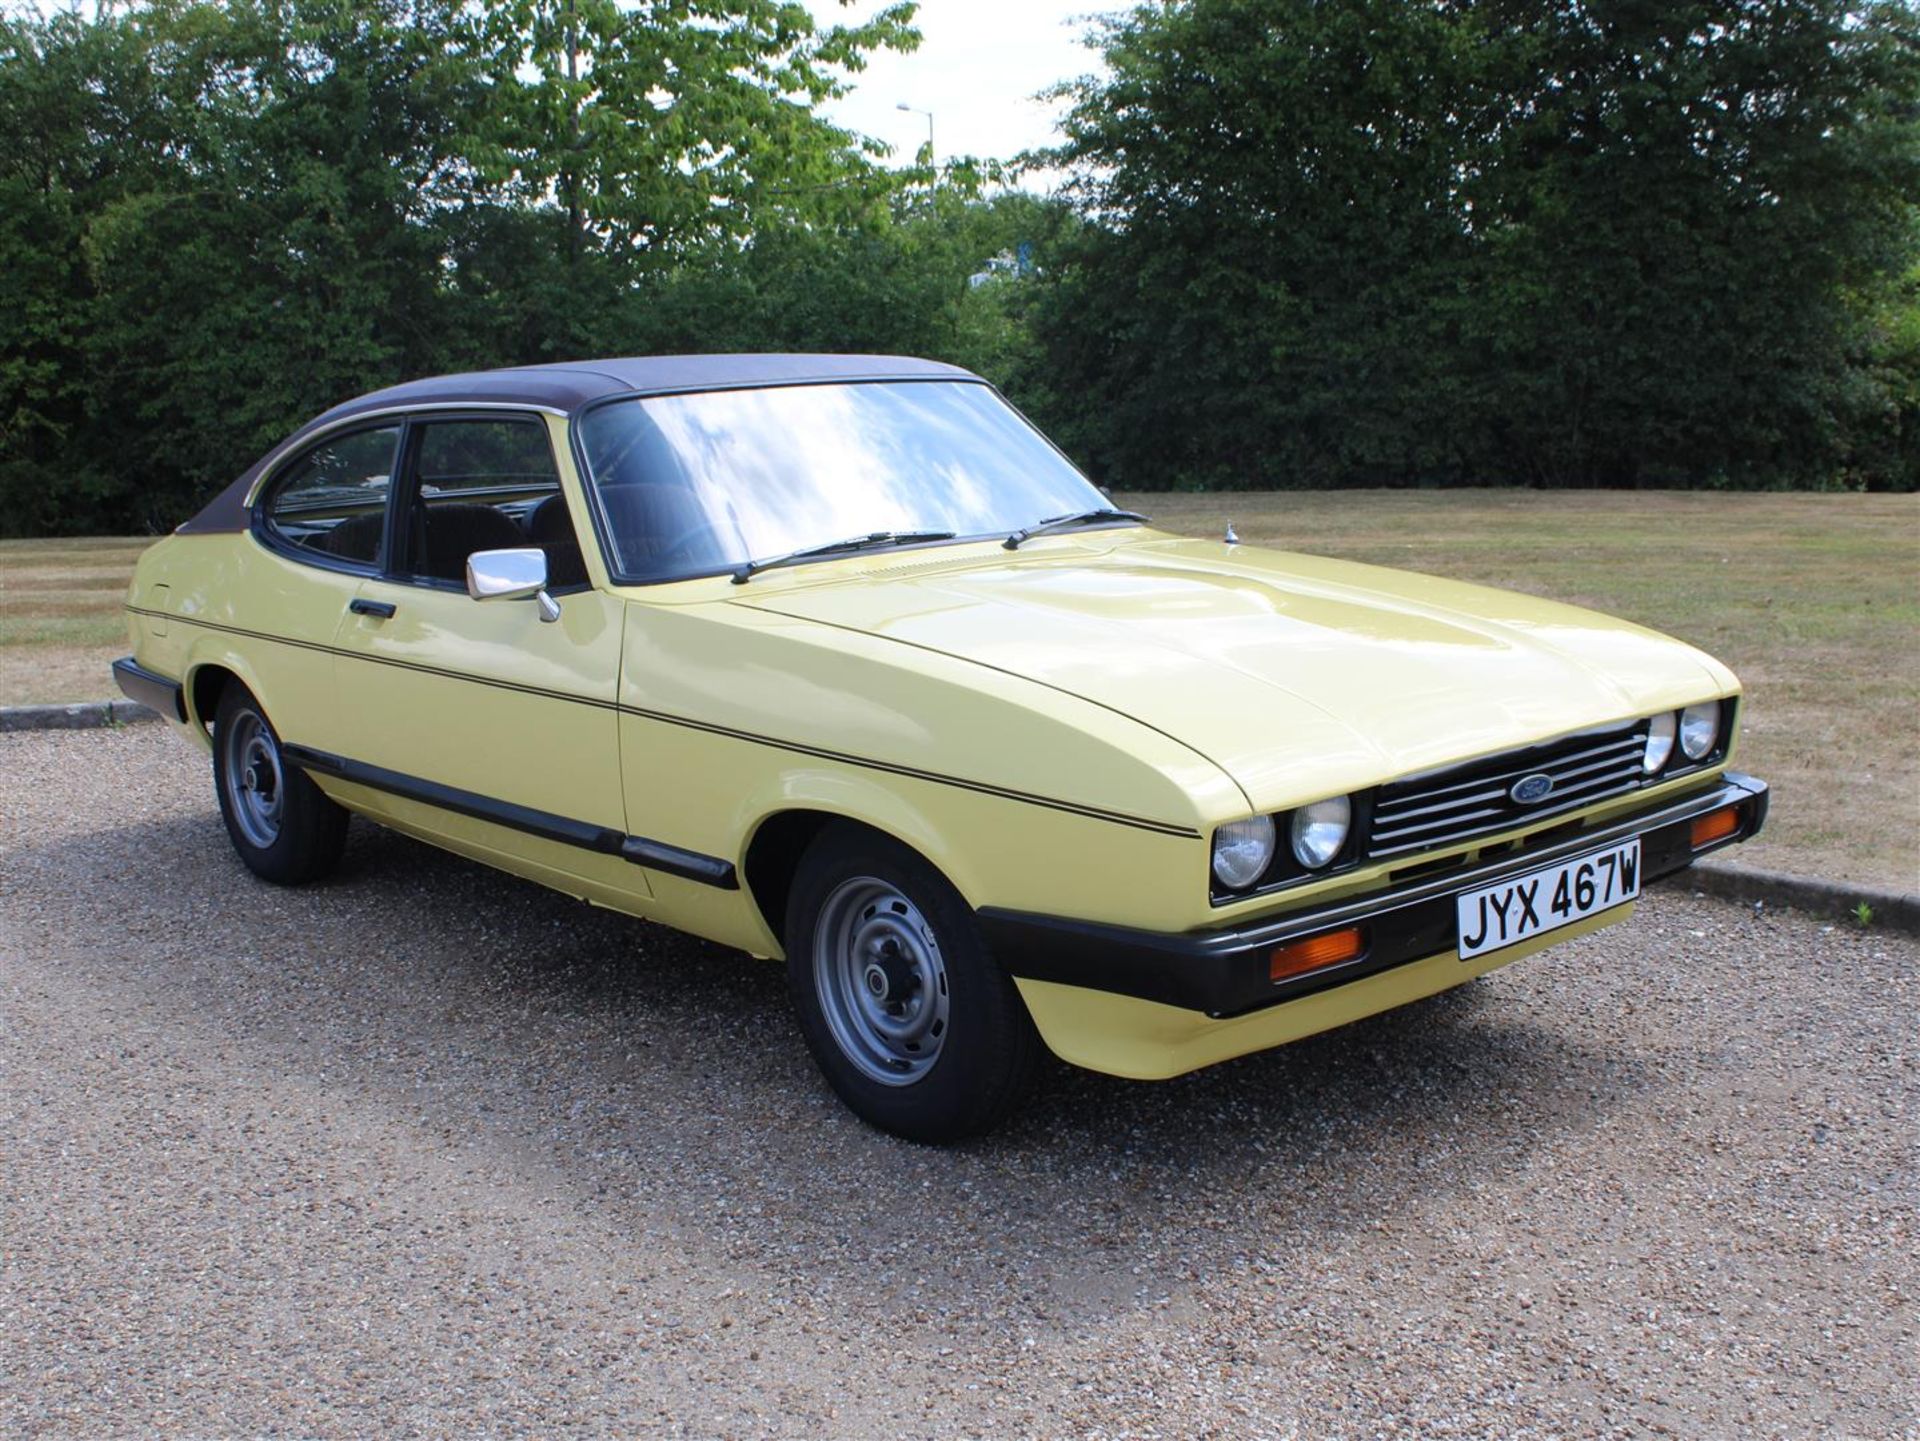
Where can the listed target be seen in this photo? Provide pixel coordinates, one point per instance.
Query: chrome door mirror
(512, 575)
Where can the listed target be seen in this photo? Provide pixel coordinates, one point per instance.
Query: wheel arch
(205, 684)
(205, 679)
(781, 837)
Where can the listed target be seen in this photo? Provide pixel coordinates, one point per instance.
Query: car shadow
(664, 1080)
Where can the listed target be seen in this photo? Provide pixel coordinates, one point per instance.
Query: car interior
(481, 485)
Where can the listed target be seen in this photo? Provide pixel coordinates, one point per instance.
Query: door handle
(378, 608)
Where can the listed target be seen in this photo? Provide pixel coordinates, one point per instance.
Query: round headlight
(1699, 728)
(1659, 743)
(1242, 851)
(1319, 830)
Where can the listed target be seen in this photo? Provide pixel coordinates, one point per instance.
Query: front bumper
(1227, 973)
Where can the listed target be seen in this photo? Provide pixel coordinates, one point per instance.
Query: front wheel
(280, 822)
(904, 1008)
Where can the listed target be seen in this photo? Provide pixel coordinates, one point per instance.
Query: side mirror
(512, 575)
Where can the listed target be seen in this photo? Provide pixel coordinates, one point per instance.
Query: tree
(894, 283)
(65, 86)
(666, 125)
(292, 258)
(1581, 242)
(222, 217)
(1278, 239)
(1687, 211)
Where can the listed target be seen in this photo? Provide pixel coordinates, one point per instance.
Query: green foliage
(1267, 301)
(1862, 915)
(220, 218)
(895, 285)
(1699, 188)
(670, 124)
(1884, 440)
(1575, 243)
(1308, 242)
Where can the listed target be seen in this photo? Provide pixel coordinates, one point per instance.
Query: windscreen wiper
(873, 540)
(1061, 522)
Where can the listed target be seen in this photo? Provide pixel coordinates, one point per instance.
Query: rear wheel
(280, 822)
(904, 1008)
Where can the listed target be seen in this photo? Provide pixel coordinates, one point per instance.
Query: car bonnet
(1298, 676)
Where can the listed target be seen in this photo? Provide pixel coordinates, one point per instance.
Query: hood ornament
(1231, 538)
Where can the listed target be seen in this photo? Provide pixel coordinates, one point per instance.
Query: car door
(320, 521)
(479, 723)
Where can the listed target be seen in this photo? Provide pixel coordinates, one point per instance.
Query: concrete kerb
(86, 715)
(1835, 900)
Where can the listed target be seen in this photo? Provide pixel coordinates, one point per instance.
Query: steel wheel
(881, 980)
(254, 779)
(281, 824)
(911, 1019)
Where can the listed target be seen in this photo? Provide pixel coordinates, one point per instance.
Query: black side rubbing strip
(688, 865)
(654, 855)
(501, 813)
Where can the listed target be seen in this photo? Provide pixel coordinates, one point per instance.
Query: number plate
(1547, 899)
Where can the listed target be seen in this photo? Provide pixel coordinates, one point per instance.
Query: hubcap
(252, 760)
(881, 981)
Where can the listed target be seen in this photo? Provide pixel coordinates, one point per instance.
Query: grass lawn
(60, 618)
(1813, 599)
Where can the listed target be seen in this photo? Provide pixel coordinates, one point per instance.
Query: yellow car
(837, 659)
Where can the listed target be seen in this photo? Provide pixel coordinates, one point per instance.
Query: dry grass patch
(60, 618)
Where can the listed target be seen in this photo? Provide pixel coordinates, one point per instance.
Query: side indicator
(1296, 958)
(1715, 826)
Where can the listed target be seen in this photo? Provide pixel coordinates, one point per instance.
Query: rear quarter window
(332, 501)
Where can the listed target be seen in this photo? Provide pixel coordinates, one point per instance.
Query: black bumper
(1227, 972)
(155, 692)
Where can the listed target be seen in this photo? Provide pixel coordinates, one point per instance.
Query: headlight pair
(1243, 850)
(1697, 729)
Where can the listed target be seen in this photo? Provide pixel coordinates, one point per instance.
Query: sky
(979, 65)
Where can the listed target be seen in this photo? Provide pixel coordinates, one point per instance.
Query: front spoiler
(1227, 972)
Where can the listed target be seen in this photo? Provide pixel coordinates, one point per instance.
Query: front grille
(1461, 802)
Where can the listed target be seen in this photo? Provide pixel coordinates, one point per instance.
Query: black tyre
(280, 822)
(904, 1008)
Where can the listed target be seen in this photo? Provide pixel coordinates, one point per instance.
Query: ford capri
(837, 660)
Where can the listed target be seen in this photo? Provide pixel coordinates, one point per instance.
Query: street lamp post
(916, 110)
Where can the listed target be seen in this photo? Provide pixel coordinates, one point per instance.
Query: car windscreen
(695, 484)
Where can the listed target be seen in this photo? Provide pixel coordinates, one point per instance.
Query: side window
(486, 484)
(333, 499)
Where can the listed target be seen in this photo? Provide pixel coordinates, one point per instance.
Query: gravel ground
(427, 1150)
